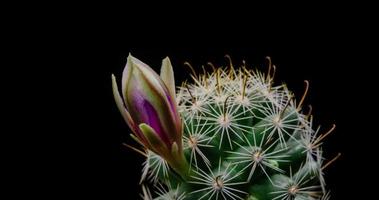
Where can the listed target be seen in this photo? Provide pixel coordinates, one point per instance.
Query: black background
(75, 149)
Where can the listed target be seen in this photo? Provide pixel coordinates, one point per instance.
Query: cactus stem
(331, 161)
(241, 148)
(192, 69)
(215, 185)
(257, 157)
(169, 192)
(304, 95)
(195, 140)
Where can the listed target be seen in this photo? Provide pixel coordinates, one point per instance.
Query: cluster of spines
(238, 128)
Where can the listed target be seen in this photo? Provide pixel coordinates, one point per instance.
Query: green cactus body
(243, 138)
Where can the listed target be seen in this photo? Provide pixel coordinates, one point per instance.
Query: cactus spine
(243, 138)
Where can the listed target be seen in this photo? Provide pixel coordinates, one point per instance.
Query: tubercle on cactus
(243, 138)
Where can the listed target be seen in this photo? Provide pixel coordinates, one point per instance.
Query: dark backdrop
(69, 144)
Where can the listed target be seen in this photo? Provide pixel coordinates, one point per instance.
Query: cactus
(240, 136)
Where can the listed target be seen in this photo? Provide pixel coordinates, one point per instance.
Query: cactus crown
(244, 138)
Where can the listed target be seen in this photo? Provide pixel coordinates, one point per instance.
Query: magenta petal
(153, 121)
(144, 112)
